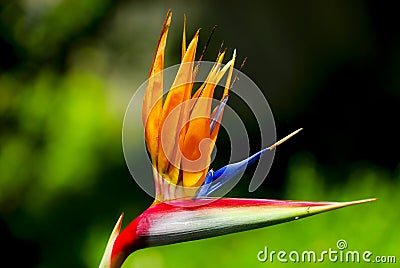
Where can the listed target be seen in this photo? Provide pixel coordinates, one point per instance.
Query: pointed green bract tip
(335, 205)
(106, 260)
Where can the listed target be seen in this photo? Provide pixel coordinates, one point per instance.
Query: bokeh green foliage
(67, 72)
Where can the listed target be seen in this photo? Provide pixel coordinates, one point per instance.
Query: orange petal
(184, 37)
(231, 64)
(218, 62)
(198, 143)
(174, 110)
(152, 102)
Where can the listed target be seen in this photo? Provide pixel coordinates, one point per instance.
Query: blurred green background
(69, 68)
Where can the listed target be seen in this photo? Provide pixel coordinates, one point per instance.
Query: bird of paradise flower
(183, 209)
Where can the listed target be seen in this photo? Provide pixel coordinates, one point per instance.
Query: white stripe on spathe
(205, 222)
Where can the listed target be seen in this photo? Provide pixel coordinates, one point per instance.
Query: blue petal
(217, 113)
(202, 192)
(215, 179)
